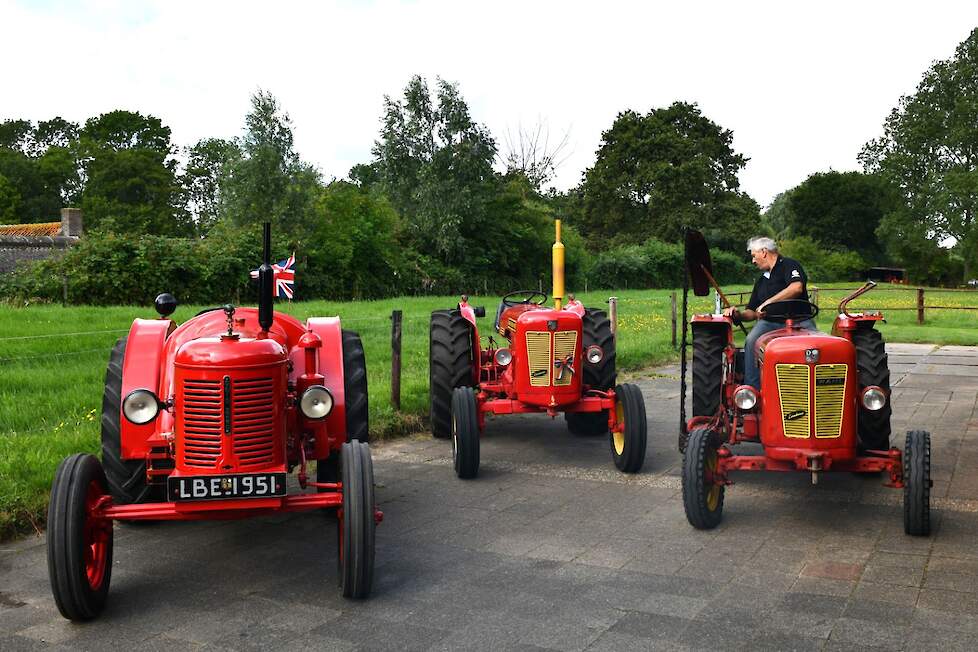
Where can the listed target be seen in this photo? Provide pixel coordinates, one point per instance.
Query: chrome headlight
(745, 397)
(316, 402)
(504, 357)
(873, 398)
(140, 406)
(594, 354)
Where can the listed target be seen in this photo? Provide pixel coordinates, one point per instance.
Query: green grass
(53, 366)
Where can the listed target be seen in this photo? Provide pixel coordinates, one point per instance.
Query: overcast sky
(802, 89)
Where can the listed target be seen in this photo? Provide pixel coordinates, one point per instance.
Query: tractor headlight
(873, 398)
(594, 354)
(316, 402)
(745, 397)
(504, 357)
(140, 406)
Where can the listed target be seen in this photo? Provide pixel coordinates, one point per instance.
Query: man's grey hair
(762, 242)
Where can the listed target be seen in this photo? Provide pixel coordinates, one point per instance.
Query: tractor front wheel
(465, 433)
(356, 526)
(916, 484)
(79, 546)
(628, 440)
(702, 495)
(451, 356)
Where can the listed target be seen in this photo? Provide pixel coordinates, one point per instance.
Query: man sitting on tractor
(782, 279)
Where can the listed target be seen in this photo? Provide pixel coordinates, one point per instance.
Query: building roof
(31, 230)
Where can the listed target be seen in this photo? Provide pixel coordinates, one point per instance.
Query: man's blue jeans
(752, 374)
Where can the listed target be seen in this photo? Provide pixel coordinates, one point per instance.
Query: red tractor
(204, 421)
(823, 405)
(554, 360)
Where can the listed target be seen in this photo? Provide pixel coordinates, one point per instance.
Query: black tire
(596, 330)
(708, 345)
(628, 446)
(357, 414)
(450, 362)
(872, 363)
(126, 478)
(357, 526)
(76, 547)
(702, 501)
(465, 433)
(916, 484)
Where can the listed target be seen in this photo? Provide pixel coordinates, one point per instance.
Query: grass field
(53, 365)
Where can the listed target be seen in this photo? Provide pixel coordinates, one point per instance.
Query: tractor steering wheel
(793, 309)
(524, 297)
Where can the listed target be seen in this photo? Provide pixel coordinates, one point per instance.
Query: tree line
(440, 209)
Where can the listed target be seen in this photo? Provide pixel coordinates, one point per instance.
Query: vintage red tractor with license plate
(559, 359)
(205, 420)
(823, 404)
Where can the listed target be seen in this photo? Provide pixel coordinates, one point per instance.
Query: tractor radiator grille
(252, 436)
(203, 422)
(830, 392)
(565, 345)
(538, 357)
(794, 392)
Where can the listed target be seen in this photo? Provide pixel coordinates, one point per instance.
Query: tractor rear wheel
(872, 363)
(356, 526)
(126, 478)
(916, 483)
(702, 497)
(450, 362)
(628, 445)
(355, 397)
(79, 547)
(596, 330)
(708, 345)
(465, 432)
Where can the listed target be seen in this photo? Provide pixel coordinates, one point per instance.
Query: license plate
(226, 487)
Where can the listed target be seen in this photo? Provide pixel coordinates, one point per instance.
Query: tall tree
(657, 172)
(929, 150)
(41, 164)
(269, 182)
(130, 180)
(841, 210)
(208, 165)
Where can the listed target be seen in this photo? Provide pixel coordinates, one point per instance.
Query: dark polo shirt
(785, 272)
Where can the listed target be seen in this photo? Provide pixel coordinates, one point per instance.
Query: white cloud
(802, 87)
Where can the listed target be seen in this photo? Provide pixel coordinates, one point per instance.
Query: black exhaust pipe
(266, 280)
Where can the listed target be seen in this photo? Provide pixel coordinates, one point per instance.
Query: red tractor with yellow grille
(823, 405)
(205, 420)
(559, 359)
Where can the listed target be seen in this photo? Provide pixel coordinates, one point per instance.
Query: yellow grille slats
(538, 358)
(794, 391)
(830, 394)
(565, 346)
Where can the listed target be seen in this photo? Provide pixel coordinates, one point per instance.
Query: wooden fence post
(613, 316)
(396, 359)
(815, 295)
(920, 305)
(672, 298)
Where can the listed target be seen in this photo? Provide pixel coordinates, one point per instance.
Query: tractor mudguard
(331, 367)
(142, 369)
(468, 313)
(718, 322)
(844, 325)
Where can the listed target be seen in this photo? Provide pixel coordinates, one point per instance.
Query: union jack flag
(284, 277)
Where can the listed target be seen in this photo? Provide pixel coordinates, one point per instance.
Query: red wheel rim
(97, 533)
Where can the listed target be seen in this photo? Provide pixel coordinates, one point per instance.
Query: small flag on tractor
(284, 277)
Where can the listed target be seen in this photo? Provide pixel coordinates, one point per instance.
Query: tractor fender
(845, 324)
(331, 367)
(468, 314)
(142, 369)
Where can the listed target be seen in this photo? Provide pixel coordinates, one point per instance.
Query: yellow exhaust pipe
(558, 264)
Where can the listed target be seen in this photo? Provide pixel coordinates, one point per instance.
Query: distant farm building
(23, 242)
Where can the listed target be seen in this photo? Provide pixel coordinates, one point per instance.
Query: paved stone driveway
(552, 548)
